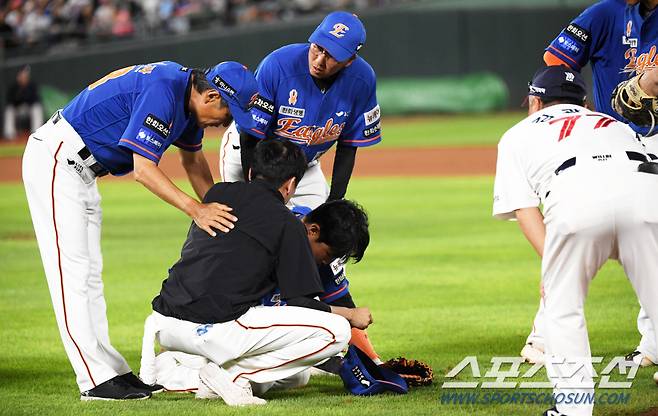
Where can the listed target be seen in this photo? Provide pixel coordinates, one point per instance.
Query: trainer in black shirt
(210, 303)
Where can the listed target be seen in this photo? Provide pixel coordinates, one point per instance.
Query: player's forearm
(149, 174)
(649, 82)
(198, 172)
(531, 222)
(342, 172)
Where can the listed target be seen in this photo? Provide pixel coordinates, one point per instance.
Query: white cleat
(219, 381)
(534, 354)
(205, 392)
(655, 377)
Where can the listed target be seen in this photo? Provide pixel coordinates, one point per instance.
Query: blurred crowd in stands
(61, 24)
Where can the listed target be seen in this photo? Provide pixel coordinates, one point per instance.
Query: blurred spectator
(23, 102)
(32, 26)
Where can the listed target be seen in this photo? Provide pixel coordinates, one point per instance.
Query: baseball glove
(635, 105)
(415, 373)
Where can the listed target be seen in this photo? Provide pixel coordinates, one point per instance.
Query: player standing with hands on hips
(314, 95)
(586, 169)
(123, 122)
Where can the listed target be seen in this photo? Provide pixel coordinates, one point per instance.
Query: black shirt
(218, 279)
(28, 94)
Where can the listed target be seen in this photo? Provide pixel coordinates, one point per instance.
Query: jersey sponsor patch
(292, 111)
(146, 137)
(157, 125)
(264, 105)
(259, 120)
(372, 130)
(578, 32)
(567, 44)
(372, 115)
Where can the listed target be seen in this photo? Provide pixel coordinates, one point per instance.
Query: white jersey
(530, 152)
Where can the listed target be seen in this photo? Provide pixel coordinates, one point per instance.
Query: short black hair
(276, 160)
(343, 227)
(201, 84)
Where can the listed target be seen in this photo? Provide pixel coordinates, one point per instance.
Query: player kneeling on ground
(336, 231)
(210, 305)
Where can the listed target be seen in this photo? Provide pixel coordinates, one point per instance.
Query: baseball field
(444, 281)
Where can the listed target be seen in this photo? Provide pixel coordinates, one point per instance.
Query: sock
(361, 341)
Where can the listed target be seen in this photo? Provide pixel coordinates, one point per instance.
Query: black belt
(572, 162)
(84, 153)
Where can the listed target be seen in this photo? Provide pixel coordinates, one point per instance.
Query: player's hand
(360, 318)
(214, 216)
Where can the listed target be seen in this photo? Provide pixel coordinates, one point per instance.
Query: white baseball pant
(179, 372)
(593, 213)
(647, 344)
(263, 345)
(311, 192)
(66, 214)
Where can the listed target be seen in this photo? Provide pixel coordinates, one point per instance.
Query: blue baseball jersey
(293, 107)
(332, 275)
(334, 281)
(616, 41)
(139, 109)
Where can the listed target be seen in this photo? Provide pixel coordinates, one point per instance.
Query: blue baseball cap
(557, 81)
(341, 33)
(362, 377)
(237, 85)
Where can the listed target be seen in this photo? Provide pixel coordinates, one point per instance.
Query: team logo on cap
(223, 85)
(292, 97)
(339, 30)
(569, 76)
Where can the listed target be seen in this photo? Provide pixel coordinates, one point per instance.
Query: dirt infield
(449, 161)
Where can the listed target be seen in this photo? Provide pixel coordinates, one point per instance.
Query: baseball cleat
(115, 389)
(205, 392)
(639, 358)
(137, 383)
(330, 367)
(655, 377)
(533, 354)
(218, 380)
(553, 412)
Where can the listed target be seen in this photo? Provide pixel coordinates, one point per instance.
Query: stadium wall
(404, 42)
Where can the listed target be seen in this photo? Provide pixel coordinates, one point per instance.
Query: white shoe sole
(107, 399)
(533, 355)
(218, 380)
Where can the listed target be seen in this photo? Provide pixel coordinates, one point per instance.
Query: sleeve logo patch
(292, 111)
(264, 105)
(372, 130)
(223, 85)
(578, 32)
(568, 44)
(157, 125)
(372, 115)
(145, 136)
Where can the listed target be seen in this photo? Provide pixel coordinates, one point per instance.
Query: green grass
(443, 279)
(424, 131)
